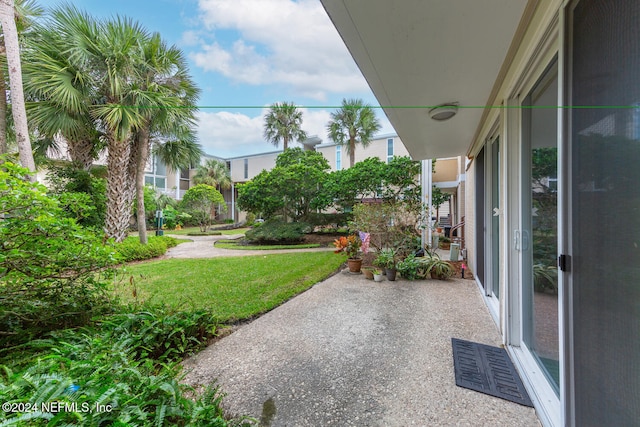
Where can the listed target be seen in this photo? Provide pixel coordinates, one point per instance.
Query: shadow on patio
(353, 352)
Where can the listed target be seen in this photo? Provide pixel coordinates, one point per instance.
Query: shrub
(409, 267)
(68, 181)
(47, 262)
(276, 231)
(132, 250)
(335, 220)
(174, 218)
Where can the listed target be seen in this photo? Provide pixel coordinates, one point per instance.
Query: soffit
(420, 53)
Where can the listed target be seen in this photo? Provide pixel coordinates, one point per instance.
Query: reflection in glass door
(540, 224)
(495, 217)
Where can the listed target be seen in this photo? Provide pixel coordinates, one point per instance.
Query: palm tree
(171, 93)
(214, 173)
(61, 91)
(95, 80)
(12, 48)
(355, 123)
(283, 123)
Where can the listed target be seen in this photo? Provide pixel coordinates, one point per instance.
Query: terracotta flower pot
(355, 264)
(368, 272)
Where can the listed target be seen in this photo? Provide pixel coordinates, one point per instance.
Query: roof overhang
(417, 54)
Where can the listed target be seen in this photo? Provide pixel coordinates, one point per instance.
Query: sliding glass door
(539, 234)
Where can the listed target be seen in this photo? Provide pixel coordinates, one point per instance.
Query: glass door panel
(540, 225)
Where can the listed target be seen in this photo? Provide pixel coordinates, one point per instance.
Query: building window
(246, 168)
(156, 174)
(389, 149)
(338, 157)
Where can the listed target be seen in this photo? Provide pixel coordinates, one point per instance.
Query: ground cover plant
(121, 370)
(225, 286)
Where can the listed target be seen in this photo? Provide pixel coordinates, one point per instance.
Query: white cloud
(190, 38)
(282, 42)
(231, 134)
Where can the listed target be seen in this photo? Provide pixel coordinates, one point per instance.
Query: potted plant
(377, 275)
(387, 259)
(439, 269)
(368, 272)
(351, 246)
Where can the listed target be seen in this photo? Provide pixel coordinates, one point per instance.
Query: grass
(239, 245)
(231, 288)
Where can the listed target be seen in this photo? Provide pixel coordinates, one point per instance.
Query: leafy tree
(201, 200)
(362, 181)
(283, 123)
(355, 123)
(259, 197)
(293, 188)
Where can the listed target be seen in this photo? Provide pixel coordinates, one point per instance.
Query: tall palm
(170, 95)
(214, 173)
(355, 123)
(12, 48)
(283, 123)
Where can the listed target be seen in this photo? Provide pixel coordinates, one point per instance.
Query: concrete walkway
(203, 247)
(353, 352)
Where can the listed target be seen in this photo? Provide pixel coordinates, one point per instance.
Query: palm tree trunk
(7, 19)
(352, 153)
(81, 152)
(141, 141)
(118, 189)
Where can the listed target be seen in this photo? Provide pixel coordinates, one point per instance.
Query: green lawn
(232, 288)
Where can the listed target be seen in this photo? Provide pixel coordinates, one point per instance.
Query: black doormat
(488, 370)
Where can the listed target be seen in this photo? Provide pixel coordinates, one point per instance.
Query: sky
(251, 54)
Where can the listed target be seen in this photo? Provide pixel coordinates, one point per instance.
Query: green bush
(409, 268)
(68, 181)
(335, 220)
(251, 219)
(276, 231)
(48, 263)
(132, 250)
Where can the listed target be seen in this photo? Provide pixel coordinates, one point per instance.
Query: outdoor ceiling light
(443, 112)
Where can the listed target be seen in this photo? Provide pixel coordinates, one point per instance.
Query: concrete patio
(353, 352)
